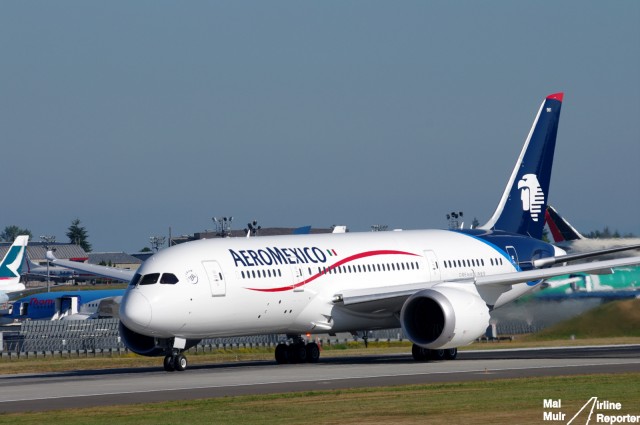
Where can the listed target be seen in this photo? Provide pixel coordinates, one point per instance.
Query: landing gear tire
(298, 353)
(419, 354)
(451, 354)
(180, 363)
(313, 352)
(168, 364)
(282, 354)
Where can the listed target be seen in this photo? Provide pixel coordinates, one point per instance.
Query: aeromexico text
(271, 256)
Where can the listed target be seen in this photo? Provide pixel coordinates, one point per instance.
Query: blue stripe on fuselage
(527, 249)
(494, 246)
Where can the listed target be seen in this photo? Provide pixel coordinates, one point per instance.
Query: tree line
(76, 233)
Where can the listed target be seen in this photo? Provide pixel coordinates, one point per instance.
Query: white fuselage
(287, 284)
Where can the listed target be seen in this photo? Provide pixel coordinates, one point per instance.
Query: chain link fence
(102, 337)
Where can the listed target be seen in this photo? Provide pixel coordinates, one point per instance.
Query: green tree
(545, 235)
(606, 233)
(11, 232)
(78, 235)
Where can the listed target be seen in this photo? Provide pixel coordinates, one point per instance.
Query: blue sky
(140, 116)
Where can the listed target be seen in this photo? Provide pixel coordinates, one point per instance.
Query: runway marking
(325, 381)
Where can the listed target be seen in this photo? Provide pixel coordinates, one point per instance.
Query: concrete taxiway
(19, 393)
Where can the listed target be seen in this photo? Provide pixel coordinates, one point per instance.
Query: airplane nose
(135, 311)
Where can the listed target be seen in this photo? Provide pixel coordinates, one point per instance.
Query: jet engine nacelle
(445, 317)
(148, 345)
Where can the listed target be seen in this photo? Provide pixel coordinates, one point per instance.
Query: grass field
(513, 401)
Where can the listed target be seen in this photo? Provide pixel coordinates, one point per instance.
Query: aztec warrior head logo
(531, 195)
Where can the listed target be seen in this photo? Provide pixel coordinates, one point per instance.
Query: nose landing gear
(175, 362)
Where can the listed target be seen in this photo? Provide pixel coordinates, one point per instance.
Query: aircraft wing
(102, 271)
(391, 298)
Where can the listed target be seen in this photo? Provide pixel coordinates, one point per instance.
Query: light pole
(252, 228)
(157, 242)
(48, 240)
(454, 220)
(223, 225)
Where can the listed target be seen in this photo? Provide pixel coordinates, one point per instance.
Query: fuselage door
(299, 278)
(513, 254)
(24, 309)
(432, 265)
(216, 278)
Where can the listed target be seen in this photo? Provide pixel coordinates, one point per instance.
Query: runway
(19, 393)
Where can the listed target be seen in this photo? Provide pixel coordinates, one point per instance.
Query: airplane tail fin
(561, 230)
(11, 265)
(524, 201)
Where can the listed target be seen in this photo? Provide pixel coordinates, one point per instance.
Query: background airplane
(620, 282)
(438, 285)
(10, 270)
(566, 236)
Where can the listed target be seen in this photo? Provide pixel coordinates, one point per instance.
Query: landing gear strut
(175, 361)
(298, 351)
(424, 354)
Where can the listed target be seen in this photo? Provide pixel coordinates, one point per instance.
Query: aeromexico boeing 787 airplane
(438, 285)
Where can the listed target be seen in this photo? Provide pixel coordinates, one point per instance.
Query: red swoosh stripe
(338, 264)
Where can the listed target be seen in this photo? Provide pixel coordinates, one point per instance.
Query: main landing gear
(298, 351)
(424, 354)
(175, 361)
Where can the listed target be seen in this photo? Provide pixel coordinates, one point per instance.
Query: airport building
(37, 251)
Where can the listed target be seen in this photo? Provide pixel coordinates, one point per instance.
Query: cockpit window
(169, 278)
(149, 279)
(135, 280)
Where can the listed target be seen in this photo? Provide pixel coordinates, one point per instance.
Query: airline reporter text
(617, 419)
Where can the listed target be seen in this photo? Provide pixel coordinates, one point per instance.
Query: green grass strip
(512, 401)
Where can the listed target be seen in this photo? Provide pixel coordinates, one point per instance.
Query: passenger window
(149, 279)
(169, 278)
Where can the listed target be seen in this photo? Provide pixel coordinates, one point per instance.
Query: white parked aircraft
(439, 285)
(10, 269)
